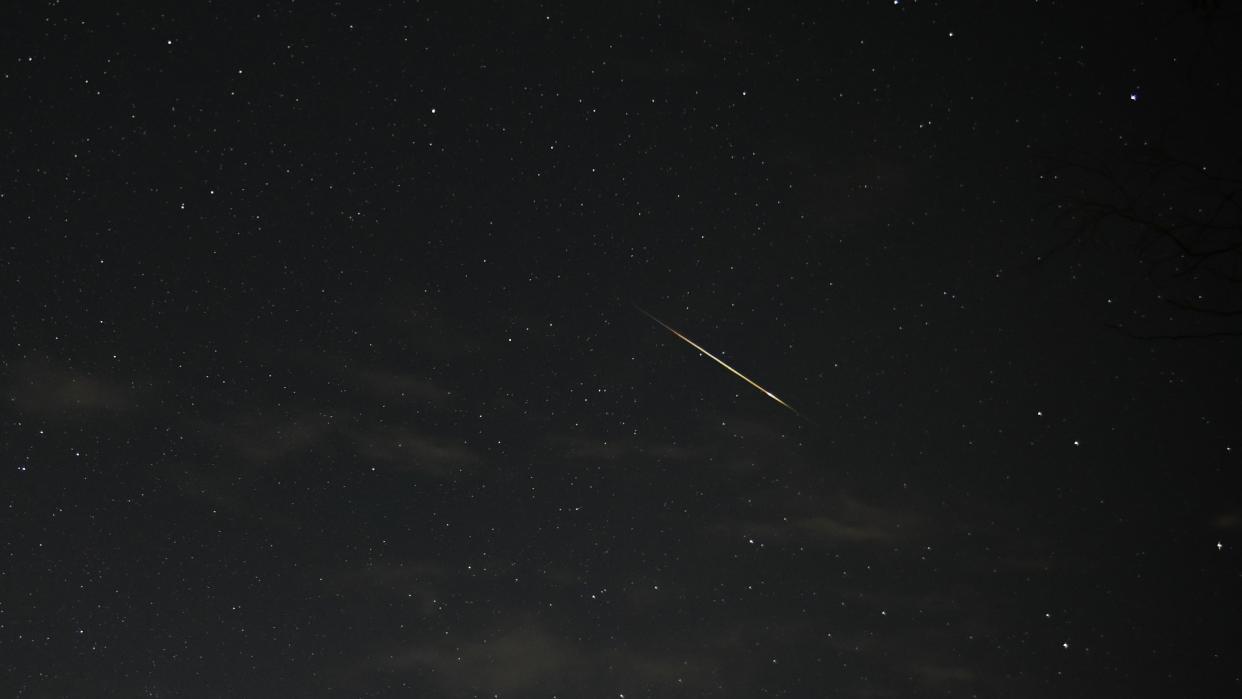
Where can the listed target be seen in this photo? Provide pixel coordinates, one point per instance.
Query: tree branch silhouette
(1172, 201)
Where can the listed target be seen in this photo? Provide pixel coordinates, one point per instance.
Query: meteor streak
(719, 361)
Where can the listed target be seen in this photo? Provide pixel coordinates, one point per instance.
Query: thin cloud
(403, 449)
(41, 388)
(529, 654)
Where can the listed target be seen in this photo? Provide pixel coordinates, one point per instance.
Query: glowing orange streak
(719, 361)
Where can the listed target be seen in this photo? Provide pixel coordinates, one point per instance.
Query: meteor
(719, 361)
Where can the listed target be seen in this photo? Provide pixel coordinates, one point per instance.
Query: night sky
(332, 358)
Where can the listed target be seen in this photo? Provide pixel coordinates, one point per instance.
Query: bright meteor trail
(719, 361)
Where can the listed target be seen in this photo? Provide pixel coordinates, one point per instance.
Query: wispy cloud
(404, 449)
(42, 388)
(526, 653)
(723, 442)
(397, 384)
(259, 439)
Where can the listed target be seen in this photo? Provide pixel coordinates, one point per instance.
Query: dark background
(322, 372)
